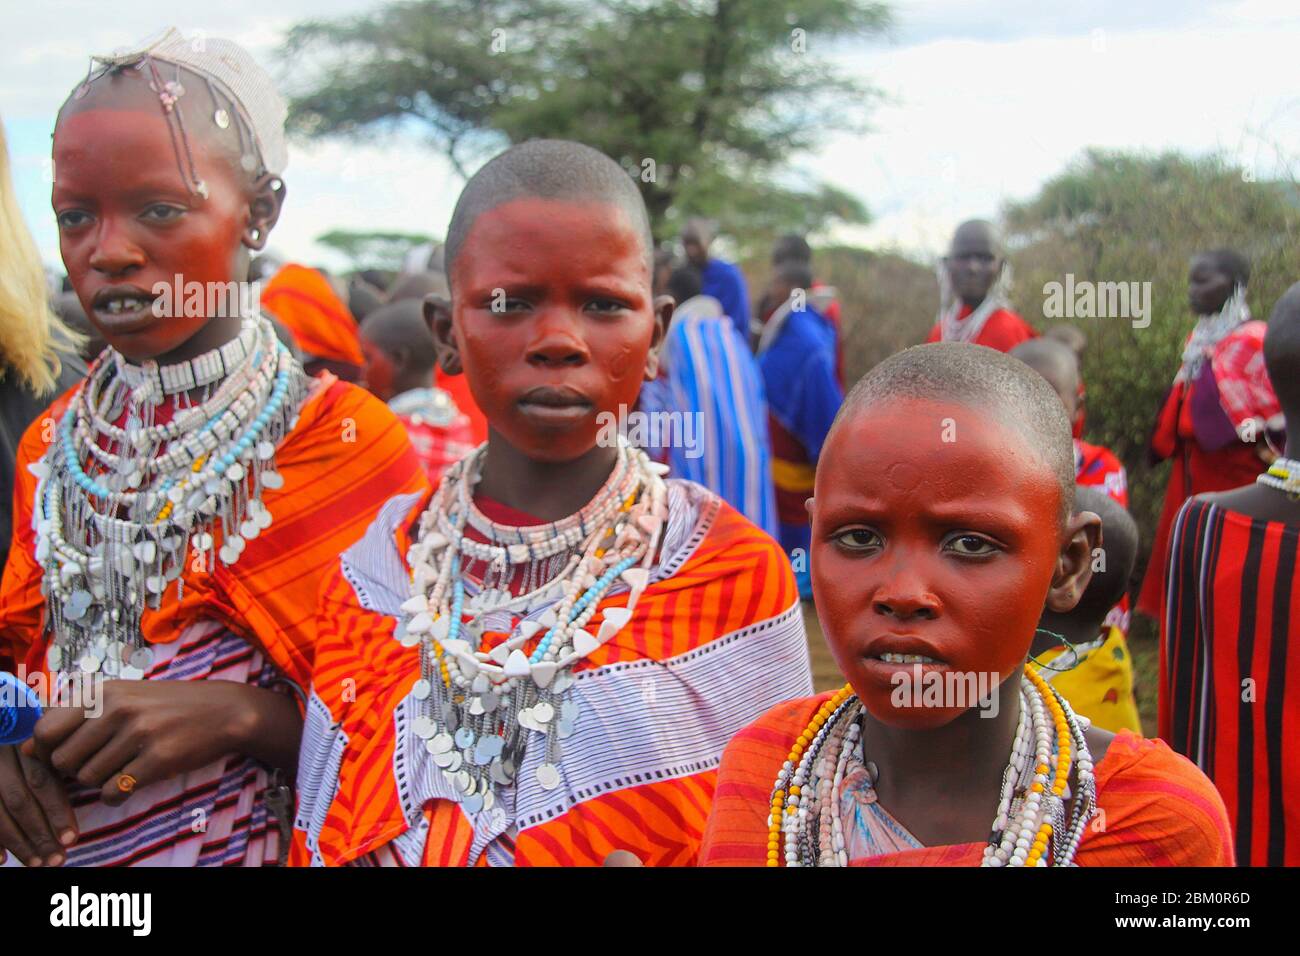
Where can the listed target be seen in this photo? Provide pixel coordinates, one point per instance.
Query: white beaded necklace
(1284, 475)
(476, 707)
(116, 506)
(811, 832)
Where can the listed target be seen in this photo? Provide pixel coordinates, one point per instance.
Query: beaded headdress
(241, 94)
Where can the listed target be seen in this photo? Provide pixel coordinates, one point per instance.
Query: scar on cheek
(904, 475)
(621, 363)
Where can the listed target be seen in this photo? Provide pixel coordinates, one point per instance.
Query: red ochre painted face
(554, 321)
(127, 221)
(945, 549)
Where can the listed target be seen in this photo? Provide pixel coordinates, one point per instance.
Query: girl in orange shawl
(943, 524)
(541, 663)
(174, 512)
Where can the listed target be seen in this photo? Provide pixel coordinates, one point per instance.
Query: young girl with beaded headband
(541, 662)
(943, 524)
(175, 510)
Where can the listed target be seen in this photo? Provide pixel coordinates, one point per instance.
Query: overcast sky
(981, 106)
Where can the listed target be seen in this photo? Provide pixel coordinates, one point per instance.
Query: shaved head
(1052, 359)
(1119, 542)
(1282, 356)
(698, 229)
(976, 235)
(1070, 335)
(417, 285)
(399, 329)
(979, 378)
(791, 247)
(555, 169)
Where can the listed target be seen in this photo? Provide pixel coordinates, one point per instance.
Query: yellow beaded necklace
(1042, 802)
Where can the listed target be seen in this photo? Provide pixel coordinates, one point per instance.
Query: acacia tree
(372, 250)
(706, 103)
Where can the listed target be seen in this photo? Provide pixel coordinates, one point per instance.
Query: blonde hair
(31, 335)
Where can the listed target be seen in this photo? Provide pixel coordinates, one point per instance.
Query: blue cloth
(726, 283)
(804, 395)
(799, 377)
(711, 372)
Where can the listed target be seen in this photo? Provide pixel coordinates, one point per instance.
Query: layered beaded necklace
(117, 506)
(476, 706)
(804, 826)
(1284, 475)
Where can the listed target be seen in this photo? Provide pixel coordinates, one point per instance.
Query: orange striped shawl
(321, 325)
(736, 578)
(1157, 808)
(347, 455)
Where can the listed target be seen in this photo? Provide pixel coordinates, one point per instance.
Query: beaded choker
(1284, 475)
(149, 379)
(479, 710)
(804, 826)
(117, 506)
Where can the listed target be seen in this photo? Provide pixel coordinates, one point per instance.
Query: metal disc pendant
(472, 803)
(142, 658)
(465, 738)
(54, 657)
(548, 775)
(423, 727)
(422, 689)
(488, 748)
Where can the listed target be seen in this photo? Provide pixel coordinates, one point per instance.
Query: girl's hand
(36, 819)
(155, 730)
